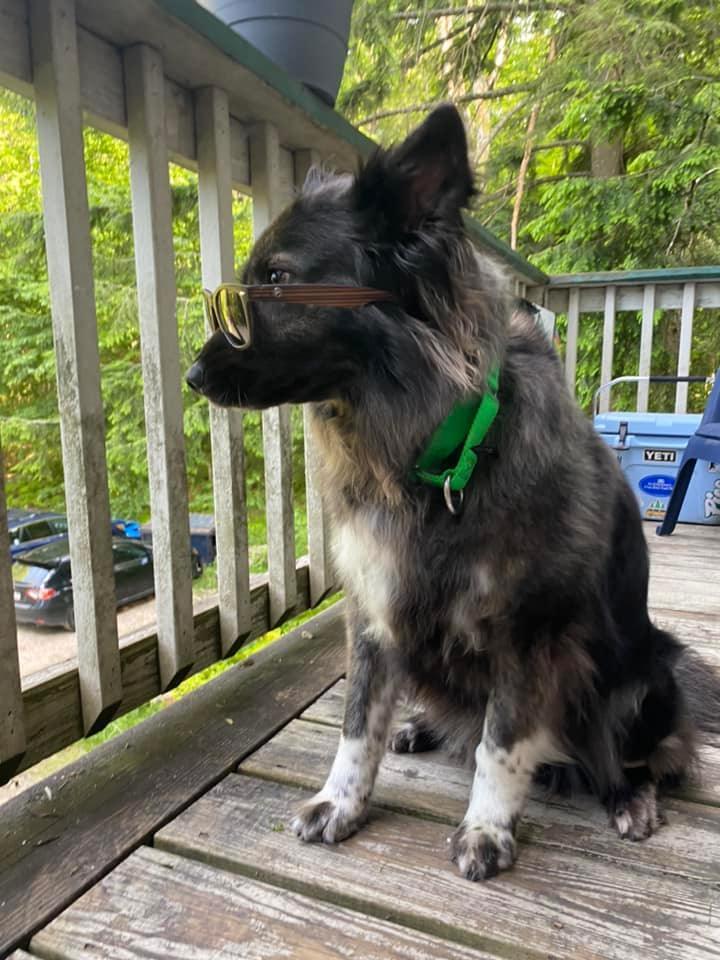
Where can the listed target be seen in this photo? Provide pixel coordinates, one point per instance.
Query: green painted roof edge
(237, 48)
(516, 261)
(609, 277)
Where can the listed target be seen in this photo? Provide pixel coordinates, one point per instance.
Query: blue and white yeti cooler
(649, 447)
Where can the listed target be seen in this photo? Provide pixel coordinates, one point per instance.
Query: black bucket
(307, 38)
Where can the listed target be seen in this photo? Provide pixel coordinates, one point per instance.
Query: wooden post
(12, 722)
(646, 338)
(212, 124)
(686, 327)
(154, 260)
(268, 200)
(72, 296)
(571, 344)
(321, 571)
(608, 343)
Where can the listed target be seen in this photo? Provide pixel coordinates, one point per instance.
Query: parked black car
(43, 584)
(33, 528)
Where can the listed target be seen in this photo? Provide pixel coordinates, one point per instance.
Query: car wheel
(197, 567)
(70, 618)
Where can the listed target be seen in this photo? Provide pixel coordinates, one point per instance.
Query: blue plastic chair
(703, 445)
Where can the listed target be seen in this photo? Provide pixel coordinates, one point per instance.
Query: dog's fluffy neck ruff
(369, 451)
(371, 438)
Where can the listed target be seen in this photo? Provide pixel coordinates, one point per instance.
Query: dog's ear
(314, 178)
(428, 175)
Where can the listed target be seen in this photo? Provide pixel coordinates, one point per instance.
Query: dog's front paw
(326, 819)
(481, 852)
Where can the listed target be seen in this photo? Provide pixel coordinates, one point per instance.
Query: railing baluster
(152, 226)
(12, 724)
(268, 200)
(321, 570)
(67, 231)
(606, 362)
(212, 124)
(646, 339)
(687, 314)
(571, 344)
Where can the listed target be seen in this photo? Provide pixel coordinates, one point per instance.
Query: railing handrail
(615, 277)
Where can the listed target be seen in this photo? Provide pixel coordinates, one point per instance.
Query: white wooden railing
(645, 294)
(178, 85)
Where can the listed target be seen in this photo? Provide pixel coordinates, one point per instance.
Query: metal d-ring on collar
(455, 508)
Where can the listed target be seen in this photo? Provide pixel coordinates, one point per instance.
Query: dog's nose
(195, 377)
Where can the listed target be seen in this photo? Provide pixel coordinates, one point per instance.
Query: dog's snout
(195, 377)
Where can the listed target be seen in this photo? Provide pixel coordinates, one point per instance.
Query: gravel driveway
(42, 647)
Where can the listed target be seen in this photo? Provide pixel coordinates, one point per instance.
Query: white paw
(328, 819)
(481, 852)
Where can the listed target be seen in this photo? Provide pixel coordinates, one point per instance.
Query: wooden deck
(225, 878)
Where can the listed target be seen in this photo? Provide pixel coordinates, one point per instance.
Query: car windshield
(29, 573)
(49, 554)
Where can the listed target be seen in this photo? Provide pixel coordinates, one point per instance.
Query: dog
(513, 610)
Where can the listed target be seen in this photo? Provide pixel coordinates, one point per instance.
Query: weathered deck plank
(71, 829)
(556, 902)
(227, 878)
(156, 904)
(432, 785)
(51, 698)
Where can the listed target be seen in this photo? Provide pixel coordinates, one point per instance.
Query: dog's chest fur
(369, 570)
(383, 570)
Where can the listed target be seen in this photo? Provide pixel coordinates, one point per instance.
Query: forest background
(594, 130)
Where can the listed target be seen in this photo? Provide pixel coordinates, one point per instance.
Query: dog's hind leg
(415, 736)
(633, 806)
(340, 808)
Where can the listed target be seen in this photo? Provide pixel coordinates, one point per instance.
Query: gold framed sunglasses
(228, 307)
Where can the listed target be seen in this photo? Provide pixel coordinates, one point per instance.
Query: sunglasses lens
(210, 317)
(232, 311)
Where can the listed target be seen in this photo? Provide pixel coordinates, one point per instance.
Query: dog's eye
(278, 276)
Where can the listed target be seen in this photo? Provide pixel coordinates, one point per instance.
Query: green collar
(466, 426)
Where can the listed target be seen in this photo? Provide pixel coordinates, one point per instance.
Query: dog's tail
(700, 684)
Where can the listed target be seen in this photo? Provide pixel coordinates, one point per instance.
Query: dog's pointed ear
(428, 175)
(314, 178)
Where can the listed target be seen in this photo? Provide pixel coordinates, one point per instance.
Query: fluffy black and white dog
(520, 626)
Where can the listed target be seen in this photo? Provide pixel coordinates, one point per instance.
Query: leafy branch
(496, 94)
(530, 6)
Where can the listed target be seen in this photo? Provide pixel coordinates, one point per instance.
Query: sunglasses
(227, 308)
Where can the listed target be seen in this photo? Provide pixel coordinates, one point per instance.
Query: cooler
(649, 447)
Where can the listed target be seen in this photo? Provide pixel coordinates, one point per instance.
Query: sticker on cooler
(657, 484)
(656, 509)
(712, 501)
(660, 456)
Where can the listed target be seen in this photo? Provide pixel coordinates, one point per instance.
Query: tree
(613, 104)
(594, 128)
